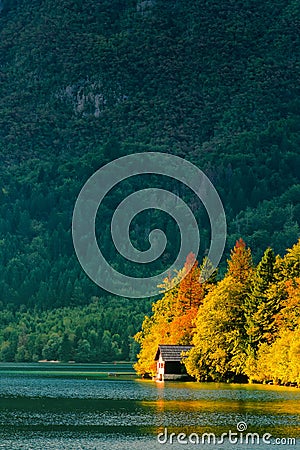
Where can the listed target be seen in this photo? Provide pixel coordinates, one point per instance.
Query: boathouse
(169, 362)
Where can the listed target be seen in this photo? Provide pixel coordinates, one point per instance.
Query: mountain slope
(84, 82)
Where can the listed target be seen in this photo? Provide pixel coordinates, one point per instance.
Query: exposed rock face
(145, 6)
(90, 98)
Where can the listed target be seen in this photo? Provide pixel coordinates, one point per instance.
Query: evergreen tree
(259, 311)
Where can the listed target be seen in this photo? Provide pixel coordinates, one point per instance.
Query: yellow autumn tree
(280, 362)
(219, 339)
(218, 352)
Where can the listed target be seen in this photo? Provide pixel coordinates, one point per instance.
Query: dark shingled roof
(171, 352)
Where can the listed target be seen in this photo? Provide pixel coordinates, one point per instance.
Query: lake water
(54, 406)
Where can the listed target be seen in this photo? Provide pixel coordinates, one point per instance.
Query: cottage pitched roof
(171, 352)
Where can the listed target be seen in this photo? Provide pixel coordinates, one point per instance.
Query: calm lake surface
(54, 406)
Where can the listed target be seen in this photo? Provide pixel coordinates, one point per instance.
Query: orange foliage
(240, 263)
(289, 316)
(191, 291)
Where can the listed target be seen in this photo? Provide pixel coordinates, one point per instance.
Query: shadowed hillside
(83, 82)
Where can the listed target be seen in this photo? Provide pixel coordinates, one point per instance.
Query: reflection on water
(41, 411)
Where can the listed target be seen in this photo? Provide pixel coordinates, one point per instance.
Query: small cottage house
(169, 362)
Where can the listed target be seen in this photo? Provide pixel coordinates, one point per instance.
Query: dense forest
(245, 326)
(82, 83)
(100, 331)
